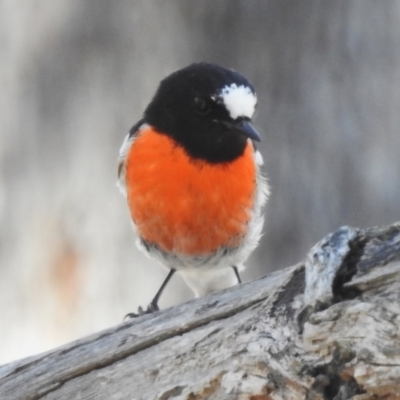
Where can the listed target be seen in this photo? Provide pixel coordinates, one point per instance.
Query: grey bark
(327, 328)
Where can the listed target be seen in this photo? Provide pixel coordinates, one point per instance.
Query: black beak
(245, 128)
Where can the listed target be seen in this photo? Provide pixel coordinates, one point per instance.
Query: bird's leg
(153, 306)
(235, 269)
(154, 303)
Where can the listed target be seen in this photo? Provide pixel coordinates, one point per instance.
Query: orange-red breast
(191, 174)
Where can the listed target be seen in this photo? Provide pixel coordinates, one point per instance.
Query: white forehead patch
(240, 101)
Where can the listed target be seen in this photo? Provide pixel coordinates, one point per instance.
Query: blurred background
(76, 75)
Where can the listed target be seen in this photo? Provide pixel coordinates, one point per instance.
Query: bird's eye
(201, 106)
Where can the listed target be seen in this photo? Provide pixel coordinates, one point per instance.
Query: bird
(193, 178)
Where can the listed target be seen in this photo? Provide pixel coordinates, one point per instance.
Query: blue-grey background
(76, 75)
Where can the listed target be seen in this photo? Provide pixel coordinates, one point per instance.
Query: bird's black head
(207, 109)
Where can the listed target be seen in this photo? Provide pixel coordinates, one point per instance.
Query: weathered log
(327, 328)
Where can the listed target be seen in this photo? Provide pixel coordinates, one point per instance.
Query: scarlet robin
(192, 177)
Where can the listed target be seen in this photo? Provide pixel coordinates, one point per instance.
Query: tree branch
(327, 328)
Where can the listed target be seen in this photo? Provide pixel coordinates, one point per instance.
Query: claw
(149, 310)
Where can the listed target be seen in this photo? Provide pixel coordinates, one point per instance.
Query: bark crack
(330, 382)
(147, 344)
(347, 270)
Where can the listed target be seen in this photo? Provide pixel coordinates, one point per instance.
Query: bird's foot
(151, 308)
